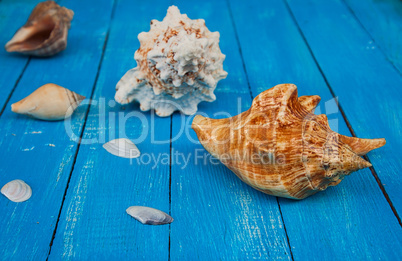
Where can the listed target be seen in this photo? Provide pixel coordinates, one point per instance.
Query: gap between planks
(373, 171)
(171, 2)
(374, 41)
(170, 181)
(15, 85)
(247, 78)
(18, 79)
(252, 97)
(83, 128)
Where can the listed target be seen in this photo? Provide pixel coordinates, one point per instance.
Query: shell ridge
(309, 103)
(305, 159)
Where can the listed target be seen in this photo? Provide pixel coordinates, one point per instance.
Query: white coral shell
(179, 65)
(17, 191)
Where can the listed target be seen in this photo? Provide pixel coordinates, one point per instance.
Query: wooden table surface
(348, 49)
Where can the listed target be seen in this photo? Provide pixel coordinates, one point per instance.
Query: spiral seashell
(124, 148)
(45, 32)
(50, 102)
(149, 216)
(179, 65)
(280, 148)
(17, 191)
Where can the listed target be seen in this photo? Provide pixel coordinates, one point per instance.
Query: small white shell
(124, 148)
(149, 216)
(17, 191)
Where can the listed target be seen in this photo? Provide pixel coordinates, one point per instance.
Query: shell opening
(28, 38)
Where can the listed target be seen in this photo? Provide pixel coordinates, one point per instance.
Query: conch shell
(45, 32)
(50, 102)
(179, 65)
(280, 148)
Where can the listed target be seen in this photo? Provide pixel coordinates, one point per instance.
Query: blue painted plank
(365, 82)
(12, 16)
(343, 222)
(93, 222)
(218, 216)
(383, 20)
(40, 152)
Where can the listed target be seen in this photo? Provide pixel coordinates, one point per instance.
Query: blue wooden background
(348, 49)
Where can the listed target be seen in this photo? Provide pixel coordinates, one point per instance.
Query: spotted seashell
(179, 64)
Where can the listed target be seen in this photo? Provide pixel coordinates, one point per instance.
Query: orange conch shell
(45, 32)
(280, 148)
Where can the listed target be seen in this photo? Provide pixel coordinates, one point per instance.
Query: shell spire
(309, 102)
(280, 148)
(179, 64)
(362, 146)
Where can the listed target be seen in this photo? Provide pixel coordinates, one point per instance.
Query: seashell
(280, 148)
(45, 32)
(17, 191)
(49, 102)
(149, 216)
(179, 64)
(124, 148)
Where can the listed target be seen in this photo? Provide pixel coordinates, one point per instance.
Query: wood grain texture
(365, 82)
(40, 152)
(13, 15)
(94, 223)
(345, 221)
(218, 216)
(383, 20)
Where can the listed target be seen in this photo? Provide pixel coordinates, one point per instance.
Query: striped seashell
(50, 102)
